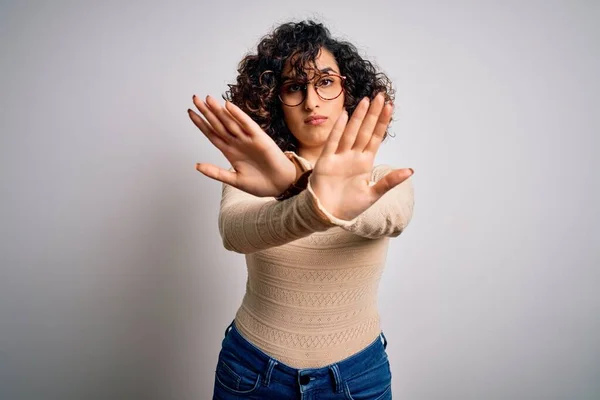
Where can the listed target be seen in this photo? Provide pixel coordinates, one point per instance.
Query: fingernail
(189, 111)
(412, 171)
(194, 97)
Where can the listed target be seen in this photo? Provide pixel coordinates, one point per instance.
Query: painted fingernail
(412, 171)
(194, 97)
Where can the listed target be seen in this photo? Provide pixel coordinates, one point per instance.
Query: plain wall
(114, 283)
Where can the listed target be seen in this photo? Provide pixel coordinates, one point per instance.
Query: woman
(312, 215)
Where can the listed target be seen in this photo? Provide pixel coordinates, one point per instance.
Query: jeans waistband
(338, 372)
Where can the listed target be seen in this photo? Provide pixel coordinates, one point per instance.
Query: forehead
(323, 60)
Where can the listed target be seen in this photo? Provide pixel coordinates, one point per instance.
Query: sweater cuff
(323, 213)
(309, 212)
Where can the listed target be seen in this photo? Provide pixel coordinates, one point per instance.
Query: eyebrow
(324, 70)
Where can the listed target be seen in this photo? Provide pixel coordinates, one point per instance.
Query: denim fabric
(245, 372)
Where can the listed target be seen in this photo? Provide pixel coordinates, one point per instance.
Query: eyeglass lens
(327, 87)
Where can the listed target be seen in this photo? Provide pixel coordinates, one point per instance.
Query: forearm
(248, 224)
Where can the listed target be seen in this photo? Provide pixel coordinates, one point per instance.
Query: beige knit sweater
(311, 293)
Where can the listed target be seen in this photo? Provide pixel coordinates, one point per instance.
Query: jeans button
(304, 379)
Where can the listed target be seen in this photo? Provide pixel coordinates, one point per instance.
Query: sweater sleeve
(248, 223)
(388, 216)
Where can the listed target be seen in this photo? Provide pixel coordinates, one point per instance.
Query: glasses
(328, 87)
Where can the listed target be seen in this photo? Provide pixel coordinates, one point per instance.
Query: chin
(314, 145)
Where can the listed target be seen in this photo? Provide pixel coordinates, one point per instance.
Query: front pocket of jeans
(235, 377)
(372, 384)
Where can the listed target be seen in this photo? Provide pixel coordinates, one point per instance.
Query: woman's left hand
(341, 177)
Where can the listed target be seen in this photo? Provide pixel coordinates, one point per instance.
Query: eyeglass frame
(305, 90)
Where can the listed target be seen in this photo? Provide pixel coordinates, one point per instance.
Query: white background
(114, 283)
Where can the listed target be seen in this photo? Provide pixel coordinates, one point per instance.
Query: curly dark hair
(258, 83)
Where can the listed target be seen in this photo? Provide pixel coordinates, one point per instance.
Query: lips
(315, 119)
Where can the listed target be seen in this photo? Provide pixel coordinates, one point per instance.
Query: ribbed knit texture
(311, 293)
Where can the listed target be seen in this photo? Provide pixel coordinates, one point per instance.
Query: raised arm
(248, 223)
(389, 216)
(341, 190)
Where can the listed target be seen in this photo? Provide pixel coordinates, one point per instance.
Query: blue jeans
(245, 372)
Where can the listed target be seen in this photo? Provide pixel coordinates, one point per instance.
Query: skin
(341, 150)
(312, 138)
(341, 176)
(260, 167)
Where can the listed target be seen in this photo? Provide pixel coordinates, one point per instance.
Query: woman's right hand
(261, 168)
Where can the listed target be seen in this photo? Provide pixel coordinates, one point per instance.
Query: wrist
(330, 213)
(299, 171)
(297, 165)
(332, 200)
(296, 187)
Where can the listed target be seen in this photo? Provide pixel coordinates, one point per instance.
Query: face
(313, 134)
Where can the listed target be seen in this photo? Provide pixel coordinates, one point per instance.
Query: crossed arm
(343, 190)
(248, 223)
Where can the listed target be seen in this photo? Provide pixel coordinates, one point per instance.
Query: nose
(312, 98)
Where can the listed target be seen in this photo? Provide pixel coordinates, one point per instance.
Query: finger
(208, 131)
(203, 108)
(212, 119)
(390, 181)
(216, 173)
(369, 123)
(336, 133)
(249, 126)
(354, 125)
(380, 129)
(229, 123)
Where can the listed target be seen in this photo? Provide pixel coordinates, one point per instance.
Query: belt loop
(384, 340)
(337, 378)
(269, 371)
(229, 328)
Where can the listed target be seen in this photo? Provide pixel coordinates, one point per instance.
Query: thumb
(216, 173)
(391, 180)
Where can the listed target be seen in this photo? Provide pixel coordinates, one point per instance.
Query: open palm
(341, 176)
(260, 167)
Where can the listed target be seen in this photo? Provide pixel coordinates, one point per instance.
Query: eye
(325, 82)
(293, 87)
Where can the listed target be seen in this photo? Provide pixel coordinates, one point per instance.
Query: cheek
(340, 103)
(290, 117)
(338, 109)
(293, 122)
